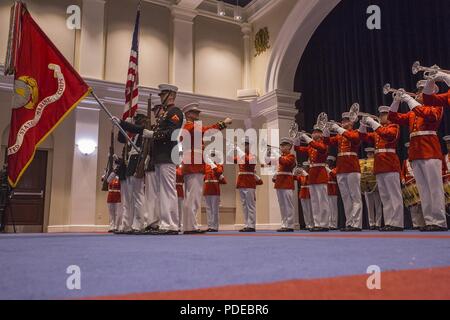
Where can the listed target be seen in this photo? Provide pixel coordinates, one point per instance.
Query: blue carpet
(34, 266)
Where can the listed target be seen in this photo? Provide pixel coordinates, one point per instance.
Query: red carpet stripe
(333, 235)
(422, 284)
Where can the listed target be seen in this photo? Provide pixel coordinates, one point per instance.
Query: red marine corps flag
(46, 89)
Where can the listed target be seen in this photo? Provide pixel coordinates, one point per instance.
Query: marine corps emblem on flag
(46, 89)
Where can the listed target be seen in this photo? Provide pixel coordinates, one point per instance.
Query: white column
(275, 110)
(92, 39)
(246, 29)
(84, 169)
(183, 49)
(247, 93)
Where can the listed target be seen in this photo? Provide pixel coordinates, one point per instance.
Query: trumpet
(427, 71)
(387, 89)
(368, 115)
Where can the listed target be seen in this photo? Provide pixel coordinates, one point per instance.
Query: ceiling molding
(112, 94)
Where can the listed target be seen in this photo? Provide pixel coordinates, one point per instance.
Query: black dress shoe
(352, 229)
(333, 229)
(345, 229)
(391, 229)
(248, 230)
(285, 230)
(195, 232)
(212, 230)
(152, 228)
(433, 228)
(319, 229)
(162, 232)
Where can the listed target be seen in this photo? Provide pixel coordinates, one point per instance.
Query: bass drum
(368, 179)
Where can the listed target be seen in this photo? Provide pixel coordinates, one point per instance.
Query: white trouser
(151, 199)
(334, 212)
(248, 206)
(193, 189)
(127, 205)
(212, 211)
(319, 205)
(138, 203)
(391, 196)
(417, 216)
(374, 208)
(307, 213)
(168, 204)
(350, 189)
(428, 174)
(180, 213)
(114, 215)
(285, 199)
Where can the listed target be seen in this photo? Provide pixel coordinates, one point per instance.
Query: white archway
(292, 41)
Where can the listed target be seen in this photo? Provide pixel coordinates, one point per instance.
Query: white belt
(423, 133)
(113, 190)
(211, 181)
(179, 183)
(304, 187)
(284, 174)
(247, 173)
(343, 154)
(315, 165)
(332, 182)
(385, 151)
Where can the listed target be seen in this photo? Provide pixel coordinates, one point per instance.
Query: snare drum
(411, 195)
(447, 188)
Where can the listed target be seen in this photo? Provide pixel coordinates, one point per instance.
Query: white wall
(154, 42)
(218, 58)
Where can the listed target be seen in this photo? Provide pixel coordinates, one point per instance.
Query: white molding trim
(112, 94)
(77, 228)
(276, 105)
(258, 8)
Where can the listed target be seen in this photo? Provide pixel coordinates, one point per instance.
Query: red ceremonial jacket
(197, 154)
(441, 100)
(348, 148)
(317, 152)
(423, 122)
(385, 139)
(213, 179)
(333, 189)
(114, 191)
(284, 178)
(304, 188)
(247, 172)
(180, 182)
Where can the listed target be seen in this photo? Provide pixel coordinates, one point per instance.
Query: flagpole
(114, 121)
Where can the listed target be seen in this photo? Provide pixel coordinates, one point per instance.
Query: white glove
(430, 86)
(326, 133)
(328, 169)
(147, 134)
(297, 141)
(115, 120)
(372, 123)
(362, 127)
(228, 121)
(337, 128)
(306, 138)
(395, 105)
(129, 120)
(412, 103)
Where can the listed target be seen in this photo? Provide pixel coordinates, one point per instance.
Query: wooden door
(28, 198)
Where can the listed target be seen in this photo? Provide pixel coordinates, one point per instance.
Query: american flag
(132, 86)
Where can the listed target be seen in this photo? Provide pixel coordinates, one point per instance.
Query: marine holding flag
(46, 89)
